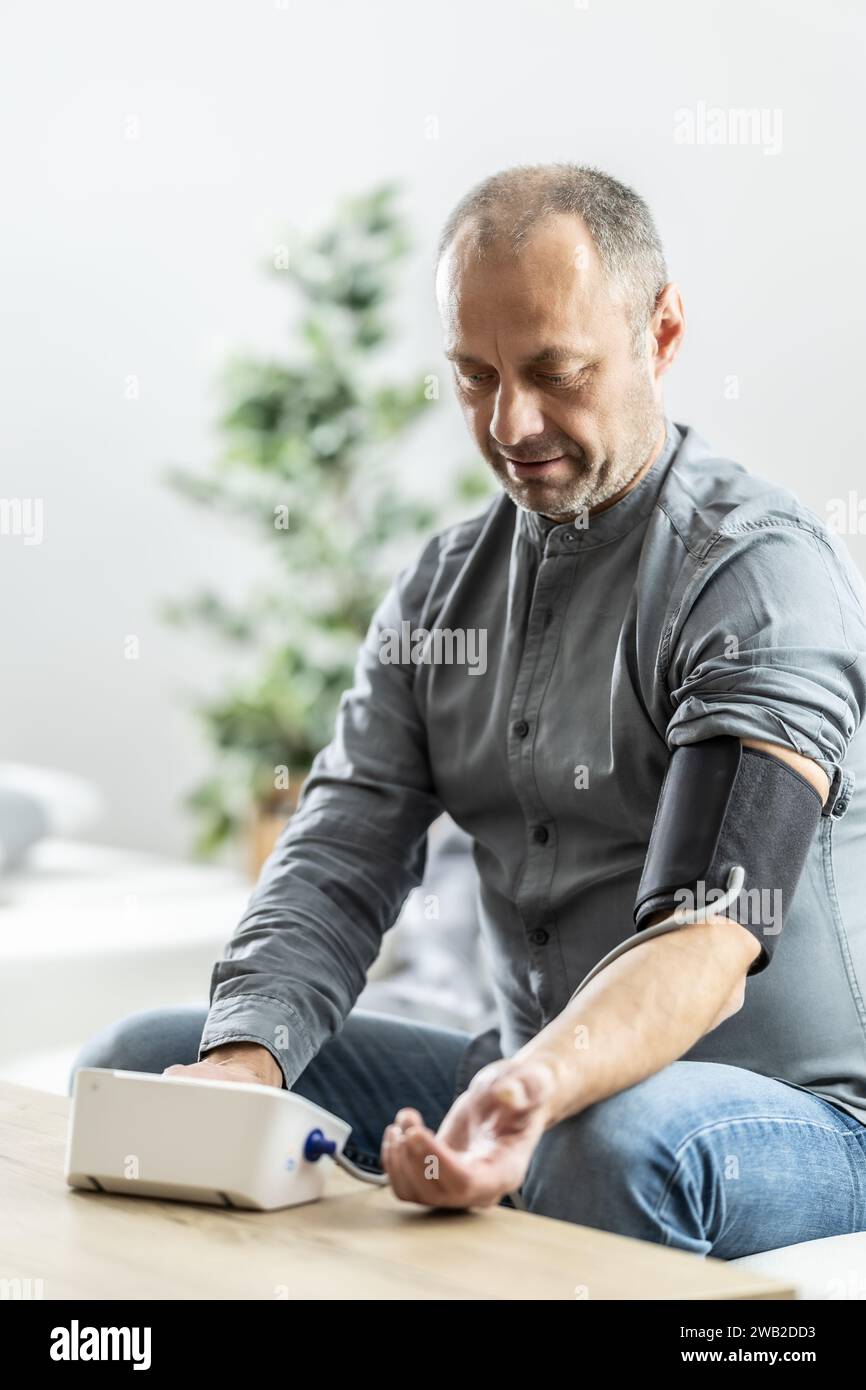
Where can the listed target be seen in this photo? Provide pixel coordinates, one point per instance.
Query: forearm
(642, 1012)
(299, 957)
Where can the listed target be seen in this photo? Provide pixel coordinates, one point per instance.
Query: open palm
(483, 1146)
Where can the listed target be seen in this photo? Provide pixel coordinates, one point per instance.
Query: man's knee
(147, 1041)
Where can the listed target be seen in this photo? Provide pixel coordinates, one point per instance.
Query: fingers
(411, 1159)
(404, 1146)
(397, 1165)
(407, 1118)
(483, 1145)
(423, 1169)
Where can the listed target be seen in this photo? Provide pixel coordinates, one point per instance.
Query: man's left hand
(483, 1146)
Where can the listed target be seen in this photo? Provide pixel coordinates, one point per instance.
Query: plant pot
(267, 823)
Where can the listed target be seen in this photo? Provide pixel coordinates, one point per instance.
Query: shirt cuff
(271, 1023)
(696, 720)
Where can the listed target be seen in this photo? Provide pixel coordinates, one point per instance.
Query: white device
(230, 1143)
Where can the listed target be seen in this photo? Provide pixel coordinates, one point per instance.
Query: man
(650, 616)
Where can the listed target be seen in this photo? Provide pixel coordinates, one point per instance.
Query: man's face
(559, 403)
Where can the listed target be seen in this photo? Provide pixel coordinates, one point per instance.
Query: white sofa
(834, 1268)
(91, 933)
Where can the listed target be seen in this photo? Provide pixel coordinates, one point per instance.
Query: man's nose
(516, 416)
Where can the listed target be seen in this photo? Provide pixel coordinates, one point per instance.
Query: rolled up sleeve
(769, 643)
(342, 868)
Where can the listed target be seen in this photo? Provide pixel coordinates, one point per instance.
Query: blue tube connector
(316, 1145)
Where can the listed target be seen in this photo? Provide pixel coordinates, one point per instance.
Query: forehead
(551, 291)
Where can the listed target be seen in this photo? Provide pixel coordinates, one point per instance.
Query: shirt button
(520, 728)
(539, 937)
(541, 834)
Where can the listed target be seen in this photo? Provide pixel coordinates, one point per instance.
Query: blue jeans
(701, 1156)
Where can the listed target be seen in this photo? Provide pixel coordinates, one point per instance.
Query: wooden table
(358, 1243)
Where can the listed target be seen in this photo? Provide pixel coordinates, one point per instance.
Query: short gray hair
(506, 206)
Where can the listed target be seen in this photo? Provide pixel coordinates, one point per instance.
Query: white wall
(142, 256)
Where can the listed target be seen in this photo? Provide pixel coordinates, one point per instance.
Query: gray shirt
(562, 664)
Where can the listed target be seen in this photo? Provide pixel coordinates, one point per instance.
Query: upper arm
(769, 644)
(807, 767)
(755, 810)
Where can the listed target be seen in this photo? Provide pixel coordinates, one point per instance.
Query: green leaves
(307, 466)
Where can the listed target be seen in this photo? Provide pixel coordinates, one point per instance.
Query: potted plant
(306, 463)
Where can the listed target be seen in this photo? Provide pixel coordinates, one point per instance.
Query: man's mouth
(537, 468)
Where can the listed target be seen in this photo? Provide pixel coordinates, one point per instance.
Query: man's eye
(481, 378)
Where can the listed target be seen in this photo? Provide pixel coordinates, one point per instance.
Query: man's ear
(807, 767)
(667, 326)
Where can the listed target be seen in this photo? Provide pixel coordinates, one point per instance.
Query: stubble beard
(564, 502)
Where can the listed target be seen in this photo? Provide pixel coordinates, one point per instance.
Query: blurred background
(219, 228)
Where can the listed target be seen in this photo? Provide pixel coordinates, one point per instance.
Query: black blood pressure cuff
(720, 805)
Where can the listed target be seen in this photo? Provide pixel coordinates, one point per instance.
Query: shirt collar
(614, 521)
